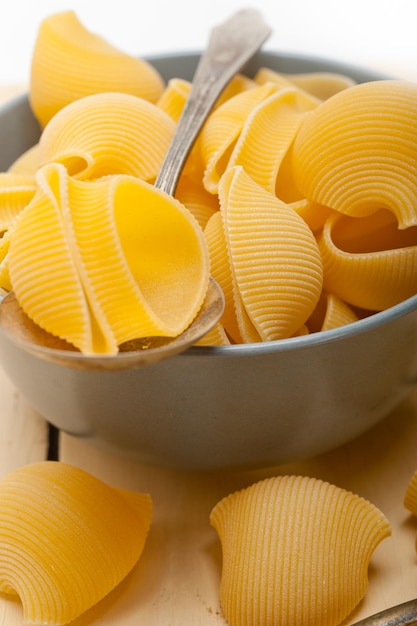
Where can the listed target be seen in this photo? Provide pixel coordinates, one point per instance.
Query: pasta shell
(322, 85)
(410, 498)
(267, 134)
(295, 551)
(174, 97)
(144, 273)
(66, 539)
(108, 133)
(16, 191)
(222, 130)
(356, 152)
(367, 261)
(315, 215)
(274, 256)
(330, 312)
(70, 62)
(191, 193)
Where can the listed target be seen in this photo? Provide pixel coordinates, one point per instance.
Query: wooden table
(176, 581)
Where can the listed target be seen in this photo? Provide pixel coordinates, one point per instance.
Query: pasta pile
(296, 550)
(299, 197)
(66, 539)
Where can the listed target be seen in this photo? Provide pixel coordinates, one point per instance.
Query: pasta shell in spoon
(144, 273)
(295, 552)
(66, 539)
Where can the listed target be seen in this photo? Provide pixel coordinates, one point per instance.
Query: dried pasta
(410, 497)
(355, 153)
(16, 191)
(120, 284)
(367, 261)
(275, 259)
(66, 539)
(108, 133)
(70, 62)
(296, 550)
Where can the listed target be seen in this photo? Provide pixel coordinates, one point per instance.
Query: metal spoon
(401, 615)
(230, 46)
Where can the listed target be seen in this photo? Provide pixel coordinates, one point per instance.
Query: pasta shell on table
(368, 262)
(356, 152)
(222, 129)
(296, 550)
(268, 133)
(66, 539)
(70, 62)
(108, 133)
(274, 256)
(145, 272)
(16, 191)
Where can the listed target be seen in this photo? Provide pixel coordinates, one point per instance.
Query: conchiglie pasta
(16, 191)
(410, 497)
(267, 134)
(368, 261)
(144, 273)
(330, 312)
(275, 259)
(296, 551)
(222, 130)
(70, 62)
(321, 85)
(108, 133)
(356, 152)
(66, 539)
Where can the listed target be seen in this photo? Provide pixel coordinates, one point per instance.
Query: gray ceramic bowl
(238, 406)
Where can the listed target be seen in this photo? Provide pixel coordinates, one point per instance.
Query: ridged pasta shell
(16, 191)
(330, 312)
(222, 130)
(108, 133)
(267, 134)
(144, 273)
(70, 62)
(356, 152)
(368, 261)
(66, 539)
(274, 256)
(191, 193)
(295, 552)
(322, 85)
(174, 97)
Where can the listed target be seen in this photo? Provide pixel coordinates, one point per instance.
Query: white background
(380, 34)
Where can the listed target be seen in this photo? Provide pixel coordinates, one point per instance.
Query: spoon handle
(230, 46)
(401, 615)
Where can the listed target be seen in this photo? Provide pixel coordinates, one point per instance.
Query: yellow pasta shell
(191, 193)
(222, 130)
(296, 551)
(174, 97)
(368, 261)
(70, 62)
(356, 152)
(144, 273)
(330, 312)
(267, 134)
(274, 256)
(108, 133)
(4, 262)
(410, 497)
(66, 539)
(222, 272)
(16, 191)
(322, 85)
